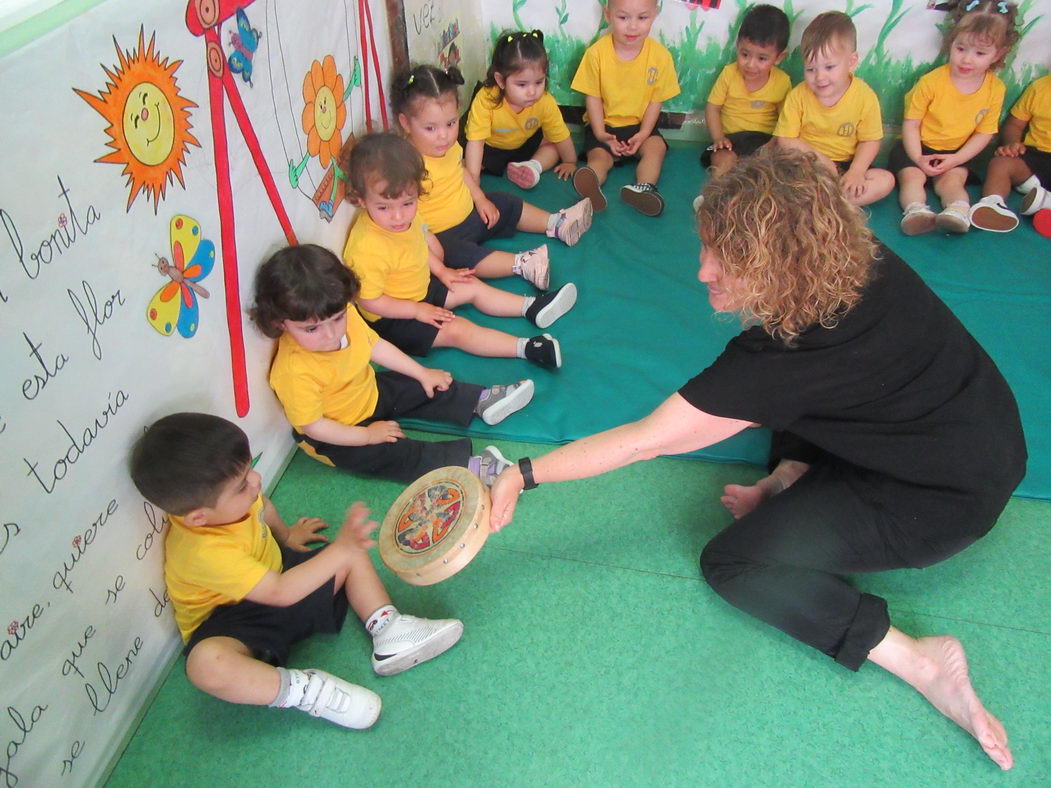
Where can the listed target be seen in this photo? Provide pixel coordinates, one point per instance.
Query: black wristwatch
(525, 467)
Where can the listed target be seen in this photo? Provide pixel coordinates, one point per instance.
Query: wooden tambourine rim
(425, 569)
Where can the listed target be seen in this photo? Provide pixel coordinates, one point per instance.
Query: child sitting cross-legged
(341, 410)
(407, 292)
(245, 587)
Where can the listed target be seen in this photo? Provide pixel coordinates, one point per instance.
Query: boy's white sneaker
(992, 214)
(408, 641)
(339, 701)
(1036, 199)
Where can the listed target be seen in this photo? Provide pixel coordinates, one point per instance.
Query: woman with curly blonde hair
(897, 442)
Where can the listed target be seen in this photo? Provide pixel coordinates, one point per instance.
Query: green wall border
(34, 27)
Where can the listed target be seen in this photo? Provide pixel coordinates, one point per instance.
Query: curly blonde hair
(797, 253)
(994, 21)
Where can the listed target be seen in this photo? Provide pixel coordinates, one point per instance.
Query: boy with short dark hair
(625, 76)
(245, 587)
(833, 113)
(744, 103)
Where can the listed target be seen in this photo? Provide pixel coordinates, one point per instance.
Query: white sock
(379, 620)
(552, 221)
(520, 347)
(516, 266)
(1027, 185)
(527, 301)
(293, 686)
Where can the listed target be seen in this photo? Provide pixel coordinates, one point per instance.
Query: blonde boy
(833, 113)
(625, 76)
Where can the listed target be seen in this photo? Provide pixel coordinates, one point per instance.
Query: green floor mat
(642, 325)
(594, 655)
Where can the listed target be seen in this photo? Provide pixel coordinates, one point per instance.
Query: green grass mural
(699, 56)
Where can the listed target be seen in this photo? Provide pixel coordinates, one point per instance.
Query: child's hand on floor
(304, 532)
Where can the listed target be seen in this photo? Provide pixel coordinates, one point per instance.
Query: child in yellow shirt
(341, 410)
(408, 292)
(625, 76)
(453, 205)
(744, 103)
(1025, 165)
(833, 113)
(951, 115)
(514, 126)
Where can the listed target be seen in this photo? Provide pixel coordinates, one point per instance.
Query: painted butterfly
(174, 306)
(245, 42)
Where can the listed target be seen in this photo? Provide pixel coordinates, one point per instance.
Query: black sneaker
(544, 351)
(549, 307)
(644, 198)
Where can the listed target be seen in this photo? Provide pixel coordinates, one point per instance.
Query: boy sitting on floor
(244, 586)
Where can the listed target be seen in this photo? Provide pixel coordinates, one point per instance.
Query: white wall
(80, 552)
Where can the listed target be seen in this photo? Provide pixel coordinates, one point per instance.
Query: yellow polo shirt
(1034, 107)
(744, 111)
(626, 87)
(835, 131)
(948, 117)
(501, 127)
(445, 200)
(387, 263)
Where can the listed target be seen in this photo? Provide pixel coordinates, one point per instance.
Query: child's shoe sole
(522, 176)
(985, 217)
(585, 181)
(648, 203)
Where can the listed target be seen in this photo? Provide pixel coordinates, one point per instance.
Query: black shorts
(898, 160)
(495, 160)
(621, 133)
(270, 631)
(462, 243)
(745, 143)
(408, 334)
(1040, 163)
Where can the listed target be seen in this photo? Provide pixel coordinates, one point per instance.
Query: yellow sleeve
(554, 126)
(918, 99)
(870, 126)
(480, 118)
(587, 79)
(668, 86)
(1023, 108)
(224, 569)
(717, 95)
(991, 120)
(790, 121)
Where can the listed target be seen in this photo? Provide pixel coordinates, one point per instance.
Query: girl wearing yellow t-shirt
(452, 203)
(514, 126)
(951, 115)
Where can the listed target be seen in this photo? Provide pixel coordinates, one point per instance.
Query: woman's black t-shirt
(898, 387)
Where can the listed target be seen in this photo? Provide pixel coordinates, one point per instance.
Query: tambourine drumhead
(436, 526)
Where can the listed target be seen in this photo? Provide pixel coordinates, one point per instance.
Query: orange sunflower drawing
(324, 113)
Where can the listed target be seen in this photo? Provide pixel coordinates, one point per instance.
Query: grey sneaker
(491, 463)
(535, 267)
(544, 351)
(339, 701)
(644, 198)
(499, 402)
(550, 306)
(407, 641)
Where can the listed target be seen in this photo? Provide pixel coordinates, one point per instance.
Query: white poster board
(113, 161)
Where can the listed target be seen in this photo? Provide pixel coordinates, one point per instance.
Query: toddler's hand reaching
(357, 529)
(305, 532)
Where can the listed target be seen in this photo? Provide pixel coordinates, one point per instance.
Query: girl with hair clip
(951, 115)
(452, 203)
(514, 126)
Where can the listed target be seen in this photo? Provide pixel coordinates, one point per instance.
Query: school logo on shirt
(981, 114)
(532, 123)
(758, 104)
(651, 75)
(846, 129)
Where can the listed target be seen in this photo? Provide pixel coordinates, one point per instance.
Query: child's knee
(211, 664)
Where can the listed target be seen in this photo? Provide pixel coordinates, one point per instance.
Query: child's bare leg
(601, 162)
(949, 186)
(533, 219)
(722, 161)
(489, 300)
(878, 184)
(741, 499)
(911, 181)
(651, 159)
(936, 667)
(547, 155)
(225, 668)
(496, 265)
(362, 585)
(476, 340)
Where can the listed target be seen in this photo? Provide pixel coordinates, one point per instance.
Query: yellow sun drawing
(149, 121)
(325, 112)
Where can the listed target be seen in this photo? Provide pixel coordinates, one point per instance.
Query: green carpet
(594, 655)
(642, 325)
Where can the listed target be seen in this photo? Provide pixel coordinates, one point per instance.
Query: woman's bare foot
(936, 667)
(741, 499)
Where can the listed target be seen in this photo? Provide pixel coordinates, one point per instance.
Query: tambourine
(436, 526)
